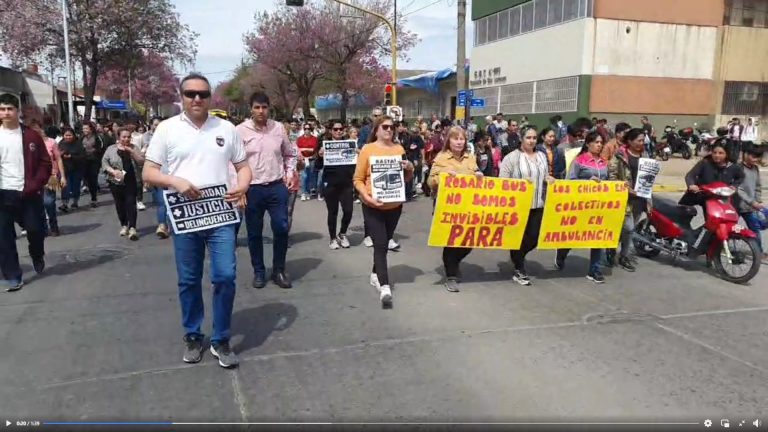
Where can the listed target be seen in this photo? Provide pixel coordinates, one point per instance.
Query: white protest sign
(647, 171)
(209, 211)
(340, 152)
(387, 179)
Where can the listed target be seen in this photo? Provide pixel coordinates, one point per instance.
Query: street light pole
(70, 103)
(393, 42)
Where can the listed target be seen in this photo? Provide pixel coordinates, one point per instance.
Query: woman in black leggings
(381, 218)
(337, 187)
(120, 164)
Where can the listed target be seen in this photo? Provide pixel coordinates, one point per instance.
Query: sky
(222, 23)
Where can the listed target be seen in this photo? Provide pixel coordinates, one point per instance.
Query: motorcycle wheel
(746, 256)
(646, 230)
(686, 152)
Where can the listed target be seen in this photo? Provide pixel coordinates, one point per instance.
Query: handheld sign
(583, 214)
(647, 171)
(487, 213)
(387, 179)
(340, 152)
(395, 112)
(209, 211)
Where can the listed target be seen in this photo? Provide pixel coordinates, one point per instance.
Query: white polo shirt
(11, 159)
(200, 155)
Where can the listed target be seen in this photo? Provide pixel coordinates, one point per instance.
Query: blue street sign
(478, 103)
(461, 100)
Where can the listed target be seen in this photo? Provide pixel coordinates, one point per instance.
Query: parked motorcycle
(676, 142)
(707, 139)
(732, 249)
(662, 149)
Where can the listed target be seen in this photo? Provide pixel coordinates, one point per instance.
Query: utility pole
(69, 70)
(461, 53)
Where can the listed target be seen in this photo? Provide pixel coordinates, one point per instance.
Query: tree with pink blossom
(103, 34)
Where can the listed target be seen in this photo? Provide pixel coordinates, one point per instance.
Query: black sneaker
(521, 278)
(94, 204)
(596, 277)
(227, 359)
(626, 264)
(38, 264)
(559, 264)
(64, 208)
(194, 349)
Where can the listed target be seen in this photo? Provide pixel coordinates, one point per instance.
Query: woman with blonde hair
(381, 218)
(454, 159)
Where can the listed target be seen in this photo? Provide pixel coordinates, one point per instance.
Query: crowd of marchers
(268, 165)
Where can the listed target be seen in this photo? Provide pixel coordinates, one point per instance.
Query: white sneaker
(368, 241)
(393, 245)
(140, 206)
(123, 231)
(334, 245)
(385, 295)
(320, 198)
(343, 241)
(304, 197)
(375, 281)
(357, 201)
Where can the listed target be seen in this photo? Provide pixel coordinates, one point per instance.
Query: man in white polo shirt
(196, 149)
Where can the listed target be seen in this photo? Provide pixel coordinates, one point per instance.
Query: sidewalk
(673, 171)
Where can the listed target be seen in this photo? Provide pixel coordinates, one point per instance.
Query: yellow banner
(485, 214)
(583, 214)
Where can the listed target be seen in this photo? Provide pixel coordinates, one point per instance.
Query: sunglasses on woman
(387, 127)
(338, 129)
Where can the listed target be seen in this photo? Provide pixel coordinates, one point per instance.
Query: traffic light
(388, 90)
(294, 2)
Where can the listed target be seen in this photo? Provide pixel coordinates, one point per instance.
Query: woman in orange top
(381, 218)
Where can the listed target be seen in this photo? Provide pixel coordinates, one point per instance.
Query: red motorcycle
(731, 248)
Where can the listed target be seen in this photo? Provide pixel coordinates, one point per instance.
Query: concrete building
(687, 62)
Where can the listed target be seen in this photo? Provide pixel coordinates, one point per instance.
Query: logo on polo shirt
(220, 141)
(32, 147)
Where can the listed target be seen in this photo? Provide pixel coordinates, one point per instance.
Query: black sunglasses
(191, 94)
(387, 127)
(338, 129)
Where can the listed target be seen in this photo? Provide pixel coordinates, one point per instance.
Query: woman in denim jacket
(588, 165)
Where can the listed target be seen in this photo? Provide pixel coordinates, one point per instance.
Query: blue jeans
(74, 184)
(189, 250)
(49, 204)
(320, 183)
(595, 255)
(309, 178)
(273, 198)
(753, 223)
(157, 197)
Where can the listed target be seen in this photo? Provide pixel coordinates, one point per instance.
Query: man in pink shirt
(272, 158)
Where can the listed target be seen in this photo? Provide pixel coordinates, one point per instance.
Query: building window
(746, 13)
(540, 14)
(517, 98)
(493, 26)
(555, 12)
(514, 21)
(504, 24)
(745, 98)
(532, 15)
(526, 24)
(557, 95)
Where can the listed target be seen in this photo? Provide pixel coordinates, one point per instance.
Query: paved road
(98, 337)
